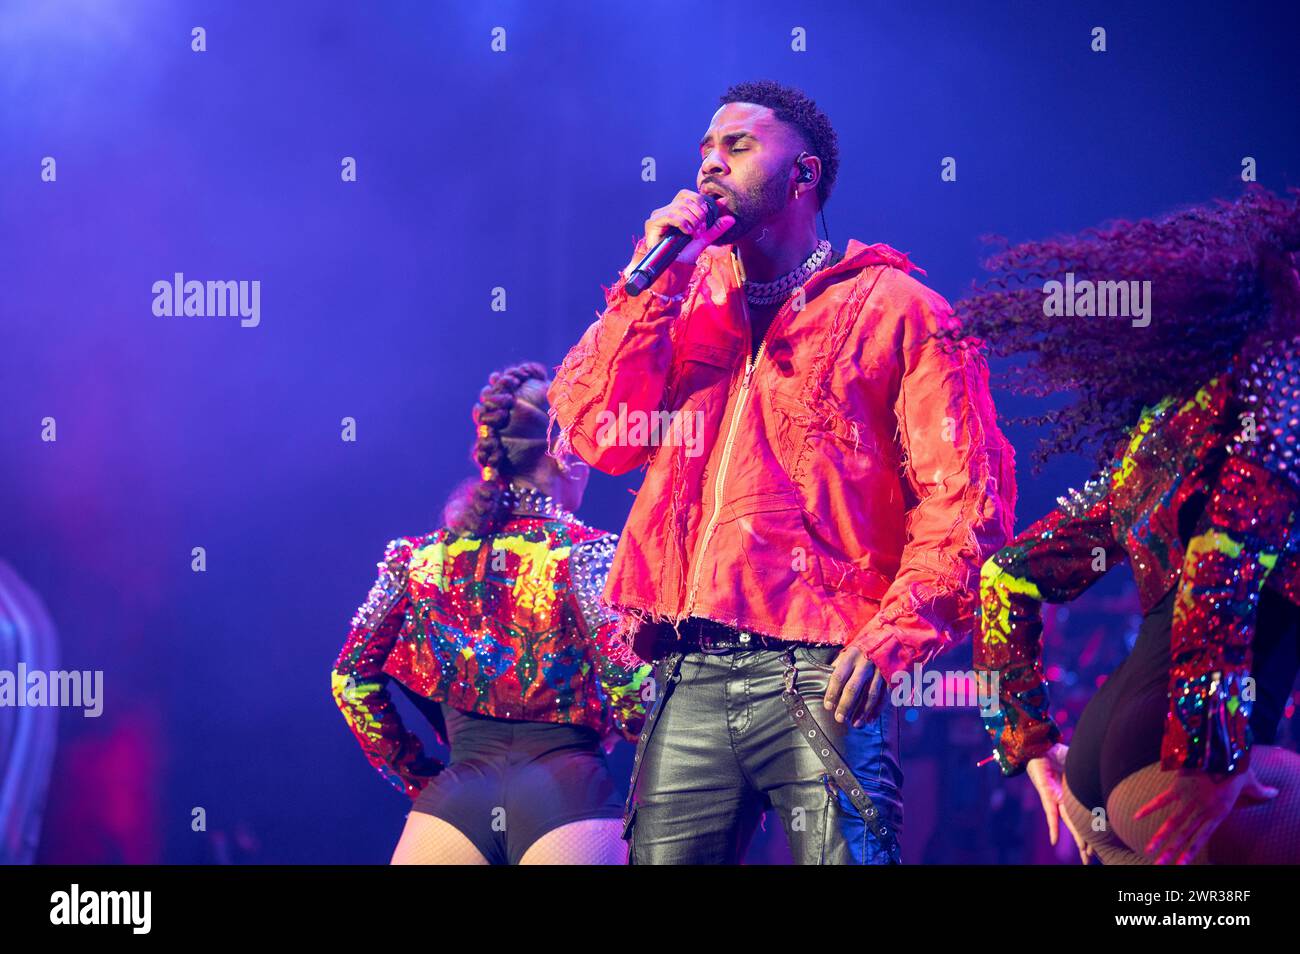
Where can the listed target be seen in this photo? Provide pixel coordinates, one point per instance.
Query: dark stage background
(475, 170)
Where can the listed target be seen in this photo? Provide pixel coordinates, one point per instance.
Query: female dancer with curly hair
(1196, 412)
(492, 625)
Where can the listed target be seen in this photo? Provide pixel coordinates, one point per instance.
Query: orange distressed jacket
(844, 486)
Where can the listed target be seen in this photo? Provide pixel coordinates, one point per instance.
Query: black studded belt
(709, 636)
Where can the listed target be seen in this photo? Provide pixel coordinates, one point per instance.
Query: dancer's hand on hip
(1201, 802)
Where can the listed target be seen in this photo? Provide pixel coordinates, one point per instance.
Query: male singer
(848, 482)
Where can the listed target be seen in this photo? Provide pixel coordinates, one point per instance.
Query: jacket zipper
(720, 478)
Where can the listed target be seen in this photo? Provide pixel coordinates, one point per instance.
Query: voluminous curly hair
(1210, 268)
(510, 421)
(793, 107)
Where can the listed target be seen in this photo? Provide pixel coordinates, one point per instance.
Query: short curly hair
(793, 107)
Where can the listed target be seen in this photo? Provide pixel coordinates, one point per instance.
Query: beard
(752, 207)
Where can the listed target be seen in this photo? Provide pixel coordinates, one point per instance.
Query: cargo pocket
(820, 658)
(701, 369)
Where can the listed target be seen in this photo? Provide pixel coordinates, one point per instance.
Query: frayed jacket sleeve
(960, 471)
(1247, 525)
(1054, 561)
(620, 673)
(622, 359)
(360, 686)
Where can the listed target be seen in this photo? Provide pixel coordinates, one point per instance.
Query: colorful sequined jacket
(844, 486)
(508, 625)
(1231, 447)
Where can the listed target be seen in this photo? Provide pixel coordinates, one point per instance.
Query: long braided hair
(510, 421)
(1209, 267)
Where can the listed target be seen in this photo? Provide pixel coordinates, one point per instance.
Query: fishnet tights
(428, 840)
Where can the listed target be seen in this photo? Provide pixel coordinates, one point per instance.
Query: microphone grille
(711, 216)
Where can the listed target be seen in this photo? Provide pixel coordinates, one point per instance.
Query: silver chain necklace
(765, 293)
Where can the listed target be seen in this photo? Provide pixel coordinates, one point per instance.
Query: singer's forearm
(620, 366)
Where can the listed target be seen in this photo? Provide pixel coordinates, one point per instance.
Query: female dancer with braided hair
(1199, 406)
(492, 625)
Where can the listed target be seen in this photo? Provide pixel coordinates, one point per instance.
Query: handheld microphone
(658, 259)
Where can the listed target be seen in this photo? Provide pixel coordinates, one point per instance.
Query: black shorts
(509, 782)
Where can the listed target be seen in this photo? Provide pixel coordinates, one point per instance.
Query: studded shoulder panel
(1077, 503)
(1269, 390)
(388, 586)
(589, 564)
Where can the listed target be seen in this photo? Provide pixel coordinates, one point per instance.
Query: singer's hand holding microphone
(678, 233)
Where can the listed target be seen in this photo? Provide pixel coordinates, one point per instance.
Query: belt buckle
(724, 642)
(737, 639)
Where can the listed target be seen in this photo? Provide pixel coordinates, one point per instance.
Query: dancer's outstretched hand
(1201, 802)
(1047, 772)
